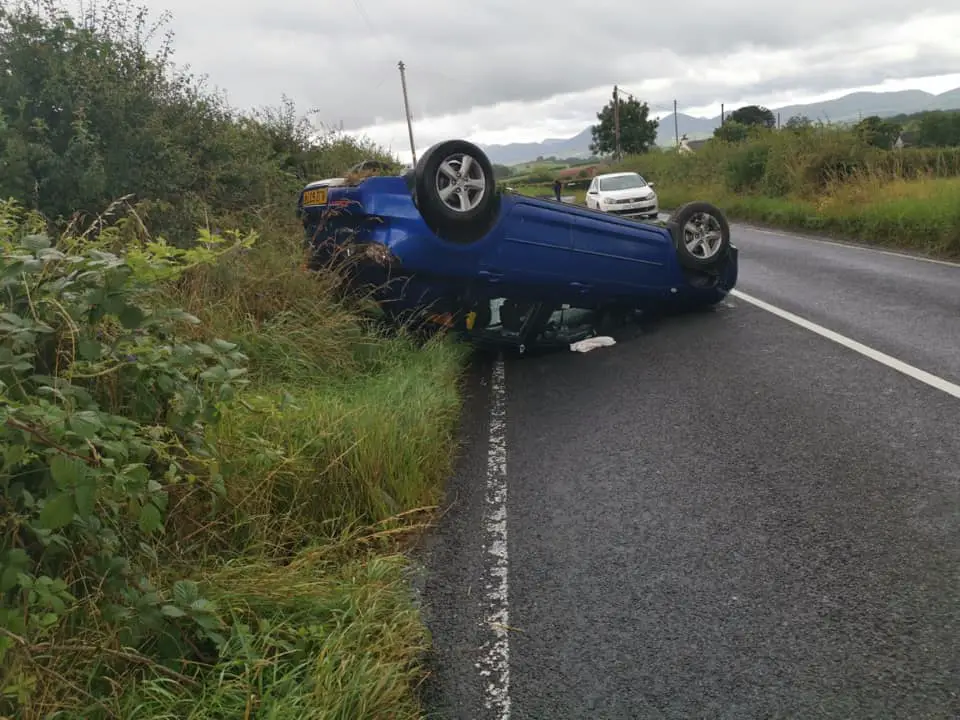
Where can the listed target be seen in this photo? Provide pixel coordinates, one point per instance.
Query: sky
(497, 71)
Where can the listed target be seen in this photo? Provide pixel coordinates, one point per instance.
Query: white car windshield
(622, 182)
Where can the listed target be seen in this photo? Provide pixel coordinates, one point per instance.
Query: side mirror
(650, 184)
(591, 192)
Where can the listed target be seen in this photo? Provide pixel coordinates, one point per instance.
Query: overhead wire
(633, 96)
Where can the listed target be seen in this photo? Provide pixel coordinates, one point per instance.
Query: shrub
(103, 423)
(803, 161)
(101, 116)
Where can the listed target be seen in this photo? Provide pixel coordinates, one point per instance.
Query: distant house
(689, 146)
(905, 139)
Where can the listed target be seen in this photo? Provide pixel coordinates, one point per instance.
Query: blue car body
(535, 250)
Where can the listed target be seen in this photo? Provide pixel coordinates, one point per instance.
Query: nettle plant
(102, 416)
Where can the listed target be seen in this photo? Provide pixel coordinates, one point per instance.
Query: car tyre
(455, 191)
(701, 235)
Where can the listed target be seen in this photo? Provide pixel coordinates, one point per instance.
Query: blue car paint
(537, 250)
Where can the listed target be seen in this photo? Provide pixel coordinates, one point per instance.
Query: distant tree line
(937, 128)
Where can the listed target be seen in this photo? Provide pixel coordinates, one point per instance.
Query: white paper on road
(592, 343)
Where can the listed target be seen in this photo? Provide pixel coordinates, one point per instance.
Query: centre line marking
(494, 662)
(891, 362)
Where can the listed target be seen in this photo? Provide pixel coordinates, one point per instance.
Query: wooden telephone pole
(676, 124)
(406, 109)
(616, 120)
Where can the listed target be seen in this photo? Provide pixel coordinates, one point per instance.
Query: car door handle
(491, 275)
(582, 286)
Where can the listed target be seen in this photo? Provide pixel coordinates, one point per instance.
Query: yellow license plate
(317, 196)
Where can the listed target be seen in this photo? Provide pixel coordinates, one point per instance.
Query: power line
(363, 14)
(633, 96)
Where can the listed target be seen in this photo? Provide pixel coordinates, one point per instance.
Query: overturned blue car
(442, 241)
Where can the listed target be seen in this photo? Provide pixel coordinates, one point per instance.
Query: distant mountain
(949, 100)
(843, 109)
(516, 153)
(693, 127)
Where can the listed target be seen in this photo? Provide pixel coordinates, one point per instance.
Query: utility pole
(778, 120)
(406, 109)
(676, 124)
(721, 113)
(616, 121)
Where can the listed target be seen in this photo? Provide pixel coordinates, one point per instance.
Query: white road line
(494, 663)
(891, 362)
(850, 245)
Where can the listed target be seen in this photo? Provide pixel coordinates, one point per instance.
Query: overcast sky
(521, 70)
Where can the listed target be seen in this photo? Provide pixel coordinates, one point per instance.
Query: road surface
(726, 515)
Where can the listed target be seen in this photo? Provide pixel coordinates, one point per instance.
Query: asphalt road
(725, 515)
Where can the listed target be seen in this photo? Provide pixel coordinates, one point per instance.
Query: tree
(751, 115)
(732, 131)
(500, 172)
(798, 122)
(637, 131)
(939, 128)
(876, 131)
(89, 113)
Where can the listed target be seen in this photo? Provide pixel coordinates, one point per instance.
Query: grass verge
(826, 179)
(918, 215)
(211, 468)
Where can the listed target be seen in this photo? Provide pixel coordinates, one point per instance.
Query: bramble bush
(103, 423)
(209, 457)
(185, 513)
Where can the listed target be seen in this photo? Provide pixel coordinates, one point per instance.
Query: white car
(625, 193)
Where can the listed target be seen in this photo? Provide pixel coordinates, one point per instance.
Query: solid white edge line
(891, 362)
(850, 245)
(494, 662)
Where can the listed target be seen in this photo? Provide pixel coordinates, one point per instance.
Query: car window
(622, 182)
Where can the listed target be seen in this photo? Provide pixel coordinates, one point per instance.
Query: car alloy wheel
(703, 236)
(460, 182)
(455, 191)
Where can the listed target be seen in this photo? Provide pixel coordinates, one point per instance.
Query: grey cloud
(342, 60)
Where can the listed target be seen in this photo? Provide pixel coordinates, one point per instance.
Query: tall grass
(209, 458)
(330, 635)
(820, 178)
(290, 529)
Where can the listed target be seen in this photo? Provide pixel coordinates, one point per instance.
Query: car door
(614, 255)
(536, 251)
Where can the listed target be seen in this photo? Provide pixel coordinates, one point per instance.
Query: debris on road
(592, 343)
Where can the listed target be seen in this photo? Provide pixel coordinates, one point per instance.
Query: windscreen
(622, 182)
